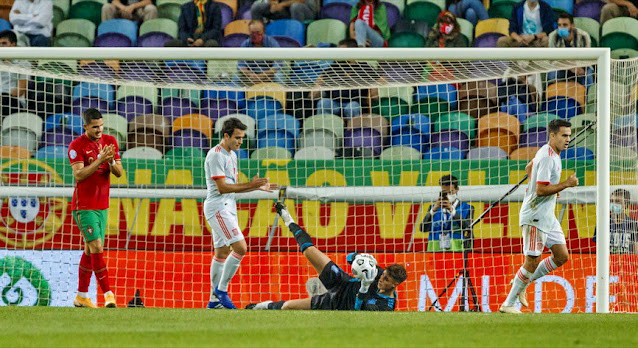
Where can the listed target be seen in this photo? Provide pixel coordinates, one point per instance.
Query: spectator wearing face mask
(530, 24)
(567, 35)
(446, 32)
(623, 230)
(255, 71)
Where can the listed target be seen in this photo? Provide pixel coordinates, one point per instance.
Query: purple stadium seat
(97, 69)
(140, 70)
(487, 40)
(239, 97)
(362, 142)
(132, 106)
(337, 10)
(393, 14)
(451, 138)
(190, 138)
(233, 40)
(533, 138)
(444, 153)
(624, 137)
(112, 40)
(397, 71)
(589, 9)
(244, 11)
(174, 107)
(285, 41)
(81, 104)
(216, 108)
(184, 72)
(227, 14)
(58, 137)
(153, 39)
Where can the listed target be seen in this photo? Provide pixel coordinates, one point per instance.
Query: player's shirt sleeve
(544, 171)
(216, 166)
(75, 153)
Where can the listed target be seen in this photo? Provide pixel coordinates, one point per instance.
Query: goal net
(360, 138)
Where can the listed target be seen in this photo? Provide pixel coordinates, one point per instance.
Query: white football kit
(220, 210)
(539, 223)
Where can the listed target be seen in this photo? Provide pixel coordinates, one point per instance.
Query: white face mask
(451, 197)
(615, 208)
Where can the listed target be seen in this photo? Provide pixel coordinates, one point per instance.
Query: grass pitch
(71, 327)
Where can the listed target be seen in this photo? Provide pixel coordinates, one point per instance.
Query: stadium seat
(194, 95)
(319, 138)
(324, 124)
(51, 152)
(279, 122)
(392, 12)
(422, 10)
(624, 53)
(372, 121)
(487, 40)
(60, 12)
(315, 153)
(624, 136)
(49, 97)
(285, 41)
(232, 4)
(74, 33)
(500, 130)
(170, 9)
(216, 108)
(400, 153)
(141, 152)
(149, 131)
(487, 153)
(362, 143)
(161, 25)
(620, 32)
(153, 39)
(326, 31)
(501, 9)
(414, 122)
(304, 72)
(182, 153)
(399, 4)
(467, 30)
(336, 10)
(515, 107)
(94, 90)
(538, 121)
(536, 137)
(457, 121)
(570, 90)
(402, 93)
(196, 122)
(58, 66)
(174, 107)
(622, 154)
(271, 153)
(590, 9)
(14, 152)
(73, 122)
(451, 138)
(619, 122)
(58, 137)
(562, 5)
(577, 154)
(133, 101)
(239, 97)
(103, 69)
(390, 107)
(79, 106)
(239, 26)
(477, 99)
(524, 153)
(112, 40)
(411, 138)
(116, 126)
(90, 10)
(262, 107)
(619, 40)
(234, 40)
(591, 26)
(492, 25)
(245, 119)
(227, 13)
(271, 90)
(288, 27)
(444, 153)
(406, 39)
(22, 129)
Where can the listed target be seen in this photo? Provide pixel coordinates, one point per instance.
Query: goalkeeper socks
(544, 267)
(276, 305)
(521, 280)
(85, 272)
(230, 268)
(301, 236)
(101, 273)
(216, 270)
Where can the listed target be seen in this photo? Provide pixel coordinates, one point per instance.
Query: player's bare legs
(302, 304)
(317, 258)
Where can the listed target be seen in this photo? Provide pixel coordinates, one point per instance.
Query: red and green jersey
(91, 193)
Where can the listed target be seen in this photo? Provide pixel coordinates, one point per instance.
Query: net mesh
(361, 146)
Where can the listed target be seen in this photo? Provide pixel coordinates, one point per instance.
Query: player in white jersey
(220, 210)
(539, 225)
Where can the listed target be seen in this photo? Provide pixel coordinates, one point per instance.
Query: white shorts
(534, 240)
(225, 228)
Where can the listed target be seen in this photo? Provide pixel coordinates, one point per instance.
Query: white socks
(521, 280)
(216, 269)
(230, 268)
(543, 268)
(262, 305)
(285, 215)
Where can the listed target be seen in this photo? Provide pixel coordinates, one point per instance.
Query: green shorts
(92, 223)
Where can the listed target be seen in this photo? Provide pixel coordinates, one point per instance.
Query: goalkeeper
(374, 292)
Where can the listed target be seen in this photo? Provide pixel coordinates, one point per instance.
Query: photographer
(448, 218)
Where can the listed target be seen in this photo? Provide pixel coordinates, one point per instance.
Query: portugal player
(94, 156)
(539, 224)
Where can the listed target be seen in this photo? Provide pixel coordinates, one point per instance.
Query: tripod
(467, 282)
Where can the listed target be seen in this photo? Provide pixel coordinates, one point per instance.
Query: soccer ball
(363, 264)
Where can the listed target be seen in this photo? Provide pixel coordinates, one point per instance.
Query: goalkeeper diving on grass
(373, 289)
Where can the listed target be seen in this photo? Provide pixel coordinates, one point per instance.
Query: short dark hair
(257, 21)
(622, 193)
(447, 180)
(91, 114)
(348, 42)
(231, 124)
(554, 125)
(9, 35)
(397, 272)
(566, 16)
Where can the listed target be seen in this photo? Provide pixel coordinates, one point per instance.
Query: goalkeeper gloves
(351, 256)
(367, 280)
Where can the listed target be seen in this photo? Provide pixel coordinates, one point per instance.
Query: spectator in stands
(446, 32)
(33, 19)
(618, 8)
(472, 10)
(448, 220)
(567, 35)
(623, 230)
(129, 9)
(301, 10)
(369, 23)
(345, 102)
(531, 22)
(252, 72)
(200, 25)
(13, 86)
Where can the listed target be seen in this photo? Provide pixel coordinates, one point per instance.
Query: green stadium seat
(170, 9)
(440, 3)
(75, 33)
(422, 10)
(457, 121)
(390, 107)
(60, 11)
(624, 53)
(116, 126)
(406, 39)
(271, 152)
(620, 32)
(159, 24)
(467, 29)
(90, 10)
(326, 30)
(181, 153)
(400, 4)
(591, 26)
(618, 40)
(432, 109)
(193, 95)
(148, 93)
(221, 70)
(400, 153)
(501, 9)
(540, 120)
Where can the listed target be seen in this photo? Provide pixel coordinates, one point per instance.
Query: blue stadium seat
(409, 137)
(562, 106)
(444, 153)
(577, 153)
(94, 90)
(515, 107)
(121, 26)
(54, 151)
(444, 92)
(239, 97)
(565, 5)
(4, 25)
(72, 122)
(259, 108)
(288, 27)
(416, 122)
